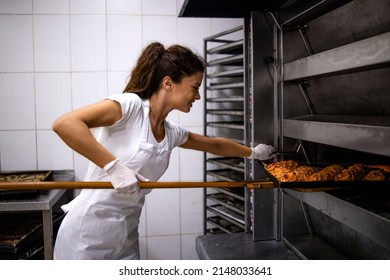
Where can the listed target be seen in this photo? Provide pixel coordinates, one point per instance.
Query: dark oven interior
(336, 109)
(357, 95)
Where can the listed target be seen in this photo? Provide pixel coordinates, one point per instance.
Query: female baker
(134, 144)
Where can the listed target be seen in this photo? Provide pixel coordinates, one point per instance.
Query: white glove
(123, 179)
(262, 152)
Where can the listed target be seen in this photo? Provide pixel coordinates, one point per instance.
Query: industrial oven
(314, 78)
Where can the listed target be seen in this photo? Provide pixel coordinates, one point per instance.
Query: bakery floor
(240, 246)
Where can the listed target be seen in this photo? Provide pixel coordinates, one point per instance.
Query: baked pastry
(355, 172)
(326, 174)
(300, 174)
(375, 175)
(384, 167)
(280, 168)
(287, 164)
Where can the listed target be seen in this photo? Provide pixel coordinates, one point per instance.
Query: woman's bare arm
(74, 129)
(217, 146)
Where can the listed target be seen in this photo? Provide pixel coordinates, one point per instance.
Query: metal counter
(43, 203)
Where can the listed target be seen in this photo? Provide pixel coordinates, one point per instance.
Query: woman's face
(186, 92)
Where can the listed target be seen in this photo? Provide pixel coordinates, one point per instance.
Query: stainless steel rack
(224, 210)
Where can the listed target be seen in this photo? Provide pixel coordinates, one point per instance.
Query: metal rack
(224, 210)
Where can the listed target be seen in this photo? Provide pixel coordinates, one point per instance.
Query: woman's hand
(123, 179)
(262, 152)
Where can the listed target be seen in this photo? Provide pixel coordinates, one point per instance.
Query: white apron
(103, 224)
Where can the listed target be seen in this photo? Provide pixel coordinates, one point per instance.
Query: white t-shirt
(123, 137)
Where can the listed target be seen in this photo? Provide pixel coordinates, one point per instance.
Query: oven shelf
(226, 174)
(349, 213)
(225, 86)
(228, 214)
(232, 60)
(312, 247)
(223, 225)
(228, 202)
(238, 72)
(364, 54)
(238, 193)
(226, 99)
(299, 12)
(231, 125)
(234, 47)
(225, 112)
(361, 133)
(229, 162)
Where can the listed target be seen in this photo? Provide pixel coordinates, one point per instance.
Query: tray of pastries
(292, 174)
(24, 176)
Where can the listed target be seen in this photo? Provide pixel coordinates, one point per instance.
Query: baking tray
(24, 176)
(324, 185)
(228, 202)
(21, 234)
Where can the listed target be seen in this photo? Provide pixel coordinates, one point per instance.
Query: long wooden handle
(143, 185)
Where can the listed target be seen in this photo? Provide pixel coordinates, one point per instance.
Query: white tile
(16, 6)
(88, 7)
(143, 248)
(192, 31)
(142, 222)
(188, 247)
(191, 209)
(53, 153)
(117, 82)
(163, 215)
(18, 150)
(51, 7)
(164, 247)
(158, 7)
(88, 88)
(80, 166)
(124, 42)
(223, 24)
(16, 35)
(17, 106)
(174, 116)
(191, 162)
(88, 43)
(128, 7)
(153, 26)
(196, 116)
(51, 43)
(53, 97)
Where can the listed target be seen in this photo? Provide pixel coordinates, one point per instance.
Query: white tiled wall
(59, 55)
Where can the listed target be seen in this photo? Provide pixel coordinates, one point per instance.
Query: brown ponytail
(156, 62)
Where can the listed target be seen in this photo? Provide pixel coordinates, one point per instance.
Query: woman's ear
(167, 83)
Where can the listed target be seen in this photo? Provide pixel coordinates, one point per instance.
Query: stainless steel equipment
(317, 77)
(335, 106)
(224, 209)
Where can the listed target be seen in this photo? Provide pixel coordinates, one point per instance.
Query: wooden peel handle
(143, 185)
